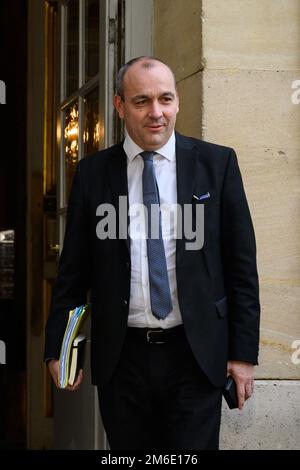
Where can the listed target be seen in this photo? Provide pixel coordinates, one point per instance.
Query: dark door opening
(13, 30)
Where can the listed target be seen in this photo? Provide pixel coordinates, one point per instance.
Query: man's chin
(156, 141)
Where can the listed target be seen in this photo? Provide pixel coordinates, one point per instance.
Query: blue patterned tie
(161, 303)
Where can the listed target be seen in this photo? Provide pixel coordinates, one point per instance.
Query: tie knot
(147, 155)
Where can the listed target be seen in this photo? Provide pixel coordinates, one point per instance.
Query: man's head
(147, 100)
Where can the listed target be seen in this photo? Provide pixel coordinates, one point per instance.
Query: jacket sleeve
(73, 279)
(240, 270)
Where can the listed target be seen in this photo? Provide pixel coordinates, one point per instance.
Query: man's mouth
(155, 127)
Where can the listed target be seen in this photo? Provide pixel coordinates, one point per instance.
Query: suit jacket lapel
(192, 178)
(185, 169)
(119, 185)
(192, 172)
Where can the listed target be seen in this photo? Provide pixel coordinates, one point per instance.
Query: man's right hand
(53, 366)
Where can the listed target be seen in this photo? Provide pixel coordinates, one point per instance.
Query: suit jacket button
(125, 302)
(127, 265)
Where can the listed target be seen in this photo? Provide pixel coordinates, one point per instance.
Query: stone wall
(177, 40)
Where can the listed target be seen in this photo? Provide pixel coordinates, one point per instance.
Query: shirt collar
(132, 149)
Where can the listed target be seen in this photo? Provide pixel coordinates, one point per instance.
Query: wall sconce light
(72, 135)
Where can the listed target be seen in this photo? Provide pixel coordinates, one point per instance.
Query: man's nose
(155, 111)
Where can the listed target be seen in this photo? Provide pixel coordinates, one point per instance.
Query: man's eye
(140, 103)
(167, 99)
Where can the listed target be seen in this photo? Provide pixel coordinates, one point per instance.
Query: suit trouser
(158, 397)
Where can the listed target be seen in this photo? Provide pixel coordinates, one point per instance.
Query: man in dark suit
(169, 321)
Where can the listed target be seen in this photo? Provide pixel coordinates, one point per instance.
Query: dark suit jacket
(217, 285)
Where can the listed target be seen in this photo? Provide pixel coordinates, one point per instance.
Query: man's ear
(119, 105)
(177, 96)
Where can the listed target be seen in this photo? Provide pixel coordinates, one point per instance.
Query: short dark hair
(149, 62)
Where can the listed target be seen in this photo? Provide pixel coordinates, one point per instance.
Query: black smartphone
(230, 393)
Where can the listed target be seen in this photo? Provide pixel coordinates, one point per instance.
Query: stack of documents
(76, 319)
(76, 357)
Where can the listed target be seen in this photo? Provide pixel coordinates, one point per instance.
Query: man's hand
(53, 368)
(242, 372)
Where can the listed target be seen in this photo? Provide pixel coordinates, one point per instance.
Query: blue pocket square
(202, 197)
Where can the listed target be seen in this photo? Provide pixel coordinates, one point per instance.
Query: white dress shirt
(140, 314)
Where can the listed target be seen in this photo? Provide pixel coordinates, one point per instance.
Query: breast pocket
(196, 222)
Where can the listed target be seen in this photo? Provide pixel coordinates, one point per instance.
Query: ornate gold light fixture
(96, 136)
(72, 135)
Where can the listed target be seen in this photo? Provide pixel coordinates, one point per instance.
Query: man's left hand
(243, 374)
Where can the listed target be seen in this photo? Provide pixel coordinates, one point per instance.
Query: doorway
(75, 48)
(13, 362)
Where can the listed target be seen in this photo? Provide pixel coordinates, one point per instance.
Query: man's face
(150, 104)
